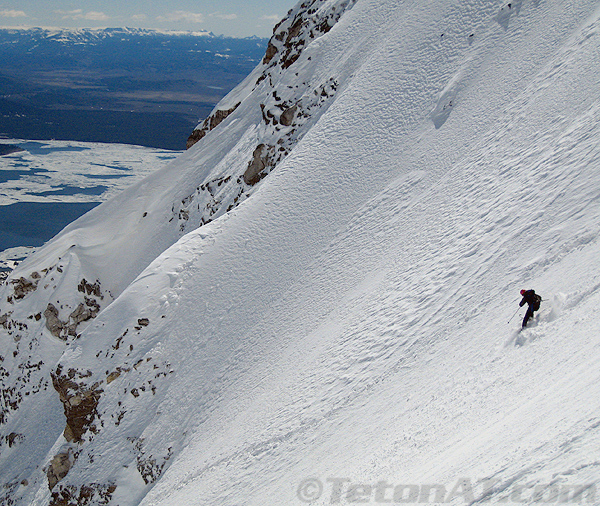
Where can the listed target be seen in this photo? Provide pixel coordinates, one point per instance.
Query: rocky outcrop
(79, 402)
(4, 319)
(84, 311)
(90, 288)
(287, 116)
(270, 53)
(69, 495)
(302, 25)
(87, 495)
(214, 120)
(53, 323)
(214, 202)
(65, 329)
(261, 159)
(24, 286)
(149, 467)
(14, 439)
(58, 468)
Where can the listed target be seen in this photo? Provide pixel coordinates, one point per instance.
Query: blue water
(34, 223)
(72, 190)
(40, 148)
(7, 175)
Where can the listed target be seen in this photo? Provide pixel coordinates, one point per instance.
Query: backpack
(537, 301)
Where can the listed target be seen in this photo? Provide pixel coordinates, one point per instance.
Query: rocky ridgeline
(286, 113)
(300, 27)
(59, 301)
(20, 329)
(291, 35)
(80, 393)
(25, 376)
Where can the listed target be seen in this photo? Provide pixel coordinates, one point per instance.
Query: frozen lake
(51, 183)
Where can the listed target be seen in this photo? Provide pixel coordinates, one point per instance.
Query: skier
(533, 300)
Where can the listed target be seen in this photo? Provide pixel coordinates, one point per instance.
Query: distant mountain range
(85, 35)
(97, 35)
(123, 85)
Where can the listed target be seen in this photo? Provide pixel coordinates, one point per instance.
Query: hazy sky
(238, 18)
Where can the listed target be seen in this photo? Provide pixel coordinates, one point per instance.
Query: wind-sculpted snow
(288, 110)
(311, 303)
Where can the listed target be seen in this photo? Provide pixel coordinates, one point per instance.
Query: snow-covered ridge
(91, 35)
(287, 111)
(70, 281)
(319, 288)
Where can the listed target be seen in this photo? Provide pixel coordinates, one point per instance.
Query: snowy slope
(45, 178)
(336, 309)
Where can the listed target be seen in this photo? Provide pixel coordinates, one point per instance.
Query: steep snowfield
(343, 319)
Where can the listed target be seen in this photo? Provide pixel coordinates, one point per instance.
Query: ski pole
(513, 315)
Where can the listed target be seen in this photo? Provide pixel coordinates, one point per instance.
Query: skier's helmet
(523, 292)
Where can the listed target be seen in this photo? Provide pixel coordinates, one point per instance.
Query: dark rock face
(58, 468)
(79, 402)
(70, 495)
(86, 310)
(271, 52)
(53, 323)
(287, 117)
(23, 286)
(90, 288)
(261, 159)
(214, 120)
(301, 26)
(65, 329)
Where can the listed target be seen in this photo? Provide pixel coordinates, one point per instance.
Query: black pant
(528, 314)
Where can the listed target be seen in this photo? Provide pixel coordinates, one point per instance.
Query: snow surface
(346, 322)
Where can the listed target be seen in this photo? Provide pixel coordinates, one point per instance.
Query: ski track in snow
(349, 319)
(479, 220)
